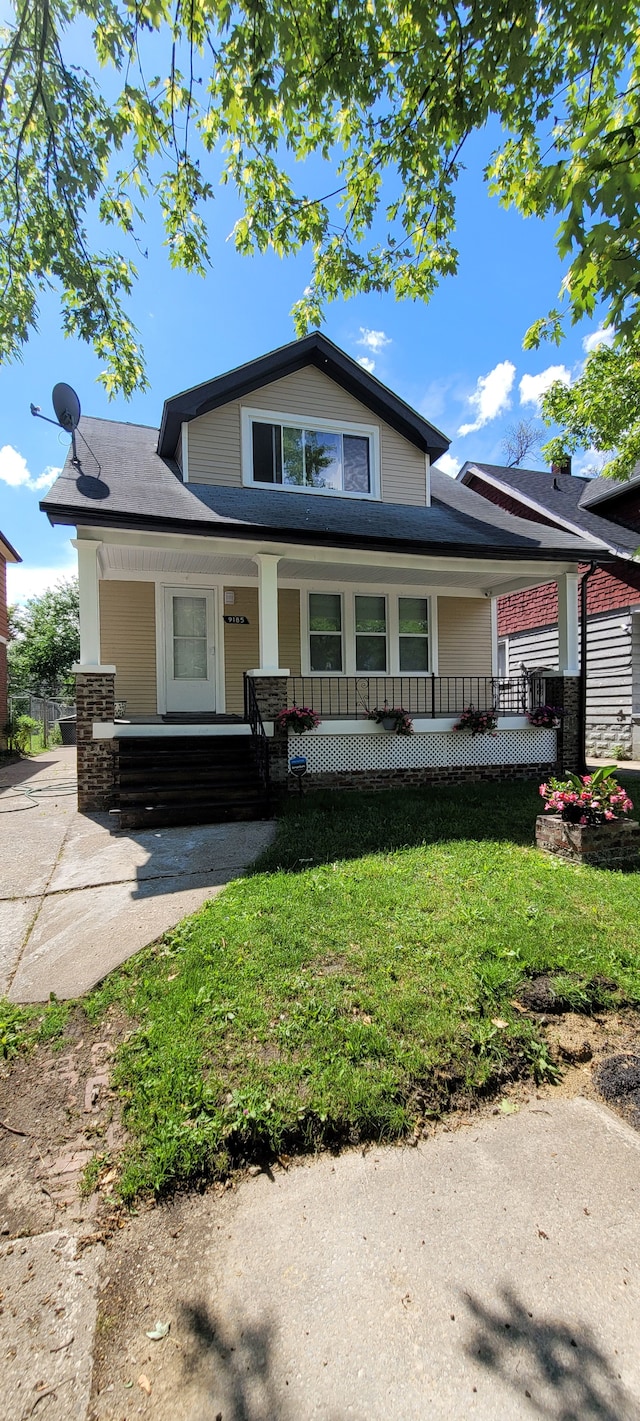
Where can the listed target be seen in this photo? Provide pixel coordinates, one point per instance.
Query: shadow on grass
(324, 826)
(555, 1366)
(231, 1366)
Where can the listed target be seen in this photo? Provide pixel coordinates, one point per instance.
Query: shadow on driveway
(558, 1366)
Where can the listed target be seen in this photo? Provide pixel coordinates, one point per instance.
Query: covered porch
(209, 638)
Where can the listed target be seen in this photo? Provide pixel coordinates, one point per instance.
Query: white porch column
(494, 637)
(267, 564)
(568, 640)
(89, 602)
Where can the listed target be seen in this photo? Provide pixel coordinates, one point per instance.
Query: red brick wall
(3, 598)
(624, 510)
(3, 690)
(3, 650)
(538, 607)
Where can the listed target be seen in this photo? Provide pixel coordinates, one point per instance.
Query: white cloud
(14, 471)
(367, 364)
(374, 341)
(599, 337)
(589, 465)
(533, 387)
(491, 396)
(24, 582)
(448, 464)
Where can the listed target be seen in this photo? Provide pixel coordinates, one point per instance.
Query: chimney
(562, 466)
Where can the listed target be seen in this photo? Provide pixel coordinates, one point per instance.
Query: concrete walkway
(77, 899)
(490, 1273)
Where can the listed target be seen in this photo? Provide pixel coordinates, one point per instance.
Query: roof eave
(73, 517)
(7, 551)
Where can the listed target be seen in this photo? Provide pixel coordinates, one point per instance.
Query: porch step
(164, 815)
(188, 780)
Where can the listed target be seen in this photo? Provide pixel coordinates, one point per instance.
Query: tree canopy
(45, 641)
(601, 410)
(182, 94)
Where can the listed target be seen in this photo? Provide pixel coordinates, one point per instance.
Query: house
(7, 554)
(283, 538)
(608, 513)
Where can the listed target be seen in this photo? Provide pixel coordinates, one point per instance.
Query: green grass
(350, 988)
(22, 1028)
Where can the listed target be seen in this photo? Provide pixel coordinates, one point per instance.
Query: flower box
(611, 845)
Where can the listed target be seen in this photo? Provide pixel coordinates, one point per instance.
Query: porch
(200, 647)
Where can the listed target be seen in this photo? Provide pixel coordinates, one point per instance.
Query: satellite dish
(66, 406)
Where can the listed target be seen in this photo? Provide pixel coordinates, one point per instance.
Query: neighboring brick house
(7, 554)
(608, 513)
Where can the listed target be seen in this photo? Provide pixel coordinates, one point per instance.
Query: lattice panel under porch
(438, 750)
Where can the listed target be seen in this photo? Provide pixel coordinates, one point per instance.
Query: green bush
(19, 731)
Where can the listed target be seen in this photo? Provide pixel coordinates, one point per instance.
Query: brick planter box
(613, 845)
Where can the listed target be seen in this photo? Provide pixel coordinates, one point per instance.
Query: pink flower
(609, 814)
(583, 819)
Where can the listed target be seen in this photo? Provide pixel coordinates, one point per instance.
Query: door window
(189, 638)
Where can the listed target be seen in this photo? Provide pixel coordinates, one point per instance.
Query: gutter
(582, 699)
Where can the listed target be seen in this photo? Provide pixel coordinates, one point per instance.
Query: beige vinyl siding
(289, 629)
(464, 636)
(214, 447)
(214, 438)
(242, 643)
(128, 642)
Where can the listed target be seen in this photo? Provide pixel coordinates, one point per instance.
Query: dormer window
(309, 455)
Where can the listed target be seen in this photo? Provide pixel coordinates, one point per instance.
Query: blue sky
(459, 360)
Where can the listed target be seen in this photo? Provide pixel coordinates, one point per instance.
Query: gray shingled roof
(137, 488)
(601, 490)
(558, 496)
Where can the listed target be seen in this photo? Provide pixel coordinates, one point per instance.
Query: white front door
(189, 649)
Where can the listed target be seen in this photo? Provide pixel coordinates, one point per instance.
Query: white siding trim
(494, 636)
(185, 451)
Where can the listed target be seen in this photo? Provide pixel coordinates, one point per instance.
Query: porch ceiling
(489, 578)
(115, 558)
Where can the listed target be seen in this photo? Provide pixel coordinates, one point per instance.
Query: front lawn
(360, 980)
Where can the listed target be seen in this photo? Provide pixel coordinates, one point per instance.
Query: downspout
(582, 706)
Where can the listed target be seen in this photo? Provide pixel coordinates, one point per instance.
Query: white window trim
(387, 642)
(348, 600)
(346, 630)
(332, 426)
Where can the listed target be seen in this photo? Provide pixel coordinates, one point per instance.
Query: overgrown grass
(360, 979)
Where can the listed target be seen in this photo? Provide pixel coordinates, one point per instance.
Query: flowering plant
(477, 721)
(298, 718)
(394, 718)
(545, 715)
(587, 799)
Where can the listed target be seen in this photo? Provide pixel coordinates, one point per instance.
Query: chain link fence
(44, 710)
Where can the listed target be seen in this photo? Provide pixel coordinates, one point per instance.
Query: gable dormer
(304, 418)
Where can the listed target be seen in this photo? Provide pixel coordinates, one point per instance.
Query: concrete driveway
(77, 899)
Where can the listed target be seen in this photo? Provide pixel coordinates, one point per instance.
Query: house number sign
(238, 621)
